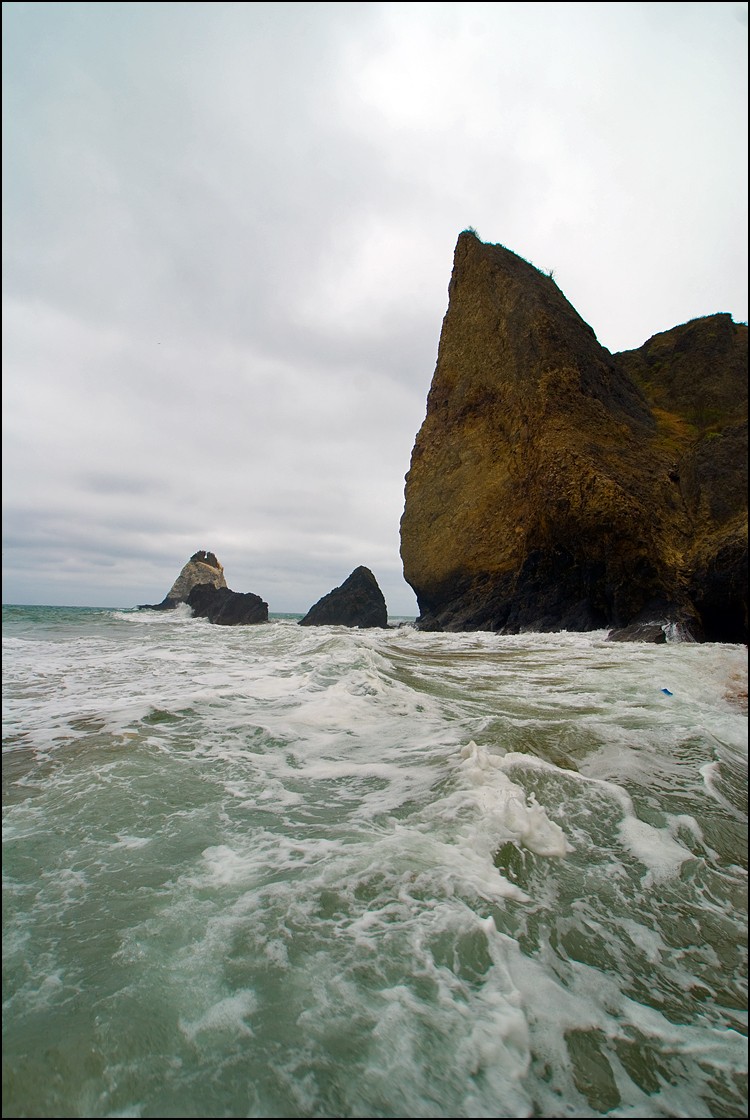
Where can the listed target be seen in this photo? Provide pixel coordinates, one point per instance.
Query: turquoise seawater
(280, 871)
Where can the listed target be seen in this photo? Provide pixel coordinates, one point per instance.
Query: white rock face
(202, 567)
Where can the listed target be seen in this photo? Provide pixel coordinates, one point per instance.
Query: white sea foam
(281, 870)
(125, 841)
(228, 1014)
(505, 811)
(654, 847)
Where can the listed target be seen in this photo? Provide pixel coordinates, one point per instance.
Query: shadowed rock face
(556, 486)
(225, 607)
(358, 602)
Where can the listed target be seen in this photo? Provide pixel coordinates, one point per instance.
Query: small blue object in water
(667, 692)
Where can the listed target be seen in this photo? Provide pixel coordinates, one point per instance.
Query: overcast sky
(229, 232)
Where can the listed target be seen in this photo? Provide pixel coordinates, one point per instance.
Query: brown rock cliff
(556, 486)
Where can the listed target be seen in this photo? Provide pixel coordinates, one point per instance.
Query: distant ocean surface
(280, 871)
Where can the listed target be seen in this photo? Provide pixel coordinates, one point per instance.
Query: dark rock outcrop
(201, 568)
(225, 607)
(554, 485)
(358, 602)
(201, 584)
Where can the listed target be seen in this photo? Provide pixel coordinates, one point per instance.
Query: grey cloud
(228, 239)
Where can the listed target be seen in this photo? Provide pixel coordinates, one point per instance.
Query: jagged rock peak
(202, 567)
(358, 602)
(203, 557)
(201, 584)
(554, 485)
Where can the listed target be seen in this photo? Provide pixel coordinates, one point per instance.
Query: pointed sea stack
(201, 584)
(555, 486)
(358, 602)
(201, 568)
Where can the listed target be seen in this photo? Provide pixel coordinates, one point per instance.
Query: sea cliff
(554, 485)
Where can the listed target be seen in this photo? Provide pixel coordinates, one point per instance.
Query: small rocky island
(201, 584)
(556, 486)
(358, 602)
(201, 568)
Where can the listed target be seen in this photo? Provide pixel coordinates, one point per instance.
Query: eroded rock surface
(224, 607)
(201, 568)
(358, 602)
(201, 584)
(554, 485)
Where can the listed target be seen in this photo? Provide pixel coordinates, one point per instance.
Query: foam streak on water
(314, 872)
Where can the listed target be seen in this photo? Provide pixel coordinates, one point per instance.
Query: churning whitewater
(275, 871)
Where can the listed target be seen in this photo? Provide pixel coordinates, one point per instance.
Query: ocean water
(279, 871)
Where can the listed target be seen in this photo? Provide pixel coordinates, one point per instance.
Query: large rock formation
(358, 602)
(201, 584)
(556, 486)
(695, 376)
(201, 568)
(225, 607)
